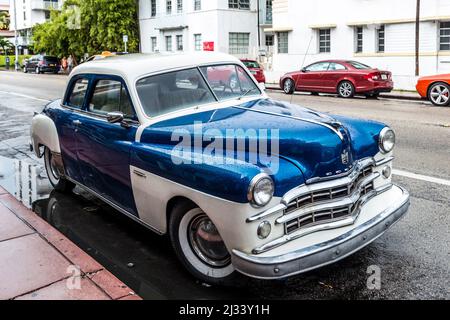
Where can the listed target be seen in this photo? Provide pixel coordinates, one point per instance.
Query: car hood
(443, 77)
(318, 144)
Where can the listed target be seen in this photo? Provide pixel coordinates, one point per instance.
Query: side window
(321, 66)
(110, 96)
(78, 93)
(336, 67)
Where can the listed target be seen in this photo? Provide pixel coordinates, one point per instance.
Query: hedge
(12, 58)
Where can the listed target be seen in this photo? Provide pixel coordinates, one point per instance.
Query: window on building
(179, 42)
(198, 42)
(24, 16)
(380, 39)
(269, 40)
(324, 40)
(179, 6)
(197, 5)
(168, 43)
(168, 6)
(269, 11)
(239, 4)
(153, 8)
(359, 39)
(154, 43)
(283, 42)
(239, 42)
(444, 35)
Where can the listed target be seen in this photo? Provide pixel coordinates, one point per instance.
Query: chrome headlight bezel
(387, 136)
(259, 181)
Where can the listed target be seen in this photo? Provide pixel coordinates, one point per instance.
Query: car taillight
(373, 76)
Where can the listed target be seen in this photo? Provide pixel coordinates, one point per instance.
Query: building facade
(4, 28)
(380, 33)
(27, 13)
(230, 26)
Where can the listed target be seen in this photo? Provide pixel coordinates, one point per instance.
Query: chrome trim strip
(321, 227)
(139, 174)
(266, 213)
(384, 161)
(296, 118)
(115, 206)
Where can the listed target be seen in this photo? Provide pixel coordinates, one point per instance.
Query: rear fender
(44, 133)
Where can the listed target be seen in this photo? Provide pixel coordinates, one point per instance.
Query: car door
(104, 148)
(310, 79)
(67, 121)
(332, 76)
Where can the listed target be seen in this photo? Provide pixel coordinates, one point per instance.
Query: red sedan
(255, 68)
(344, 77)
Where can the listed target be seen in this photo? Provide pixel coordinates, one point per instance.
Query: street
(413, 255)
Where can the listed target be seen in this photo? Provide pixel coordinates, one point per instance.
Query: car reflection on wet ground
(147, 264)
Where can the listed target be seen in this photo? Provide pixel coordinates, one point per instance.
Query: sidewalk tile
(60, 291)
(112, 286)
(11, 226)
(29, 263)
(77, 256)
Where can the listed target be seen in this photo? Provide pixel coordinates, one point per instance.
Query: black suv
(42, 64)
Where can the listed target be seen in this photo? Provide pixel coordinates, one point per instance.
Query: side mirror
(114, 117)
(304, 70)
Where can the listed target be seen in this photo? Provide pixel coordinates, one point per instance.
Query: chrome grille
(311, 202)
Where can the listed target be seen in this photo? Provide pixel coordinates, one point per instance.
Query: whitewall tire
(58, 182)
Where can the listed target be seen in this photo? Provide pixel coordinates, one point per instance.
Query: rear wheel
(439, 94)
(288, 86)
(198, 245)
(37, 70)
(58, 182)
(346, 89)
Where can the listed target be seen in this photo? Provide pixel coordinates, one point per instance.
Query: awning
(398, 21)
(174, 28)
(323, 26)
(278, 29)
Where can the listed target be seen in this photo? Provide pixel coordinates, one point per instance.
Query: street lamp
(16, 40)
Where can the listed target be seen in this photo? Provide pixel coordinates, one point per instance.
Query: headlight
(387, 140)
(261, 189)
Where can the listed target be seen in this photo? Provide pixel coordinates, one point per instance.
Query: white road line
(24, 96)
(421, 177)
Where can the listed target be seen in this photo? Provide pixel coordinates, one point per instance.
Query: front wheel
(346, 89)
(439, 94)
(58, 182)
(199, 246)
(25, 70)
(289, 86)
(37, 71)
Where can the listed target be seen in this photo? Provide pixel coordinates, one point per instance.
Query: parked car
(344, 77)
(136, 131)
(42, 64)
(435, 88)
(255, 69)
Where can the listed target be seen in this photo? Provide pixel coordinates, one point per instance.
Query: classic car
(435, 88)
(344, 77)
(136, 131)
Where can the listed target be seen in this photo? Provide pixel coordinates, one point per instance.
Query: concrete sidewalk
(37, 262)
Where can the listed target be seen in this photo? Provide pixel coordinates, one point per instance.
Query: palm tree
(4, 20)
(5, 45)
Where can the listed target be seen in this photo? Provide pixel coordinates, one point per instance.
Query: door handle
(76, 122)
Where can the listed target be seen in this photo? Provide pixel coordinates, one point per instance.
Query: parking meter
(7, 62)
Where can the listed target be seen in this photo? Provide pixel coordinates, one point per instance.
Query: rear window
(251, 64)
(358, 65)
(76, 97)
(51, 59)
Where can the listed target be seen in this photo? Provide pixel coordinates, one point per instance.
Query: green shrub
(12, 59)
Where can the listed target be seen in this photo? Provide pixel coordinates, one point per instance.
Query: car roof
(133, 66)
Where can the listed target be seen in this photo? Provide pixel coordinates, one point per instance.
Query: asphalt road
(414, 256)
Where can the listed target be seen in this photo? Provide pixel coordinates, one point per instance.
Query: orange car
(435, 88)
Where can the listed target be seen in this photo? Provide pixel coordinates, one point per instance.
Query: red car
(256, 70)
(344, 77)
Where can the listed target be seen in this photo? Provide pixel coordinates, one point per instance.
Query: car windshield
(251, 64)
(358, 65)
(177, 90)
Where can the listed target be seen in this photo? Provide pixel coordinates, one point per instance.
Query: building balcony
(45, 5)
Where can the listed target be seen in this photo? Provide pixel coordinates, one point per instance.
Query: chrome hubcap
(287, 86)
(207, 243)
(345, 89)
(440, 94)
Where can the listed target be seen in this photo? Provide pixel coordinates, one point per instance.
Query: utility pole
(16, 40)
(417, 37)
(259, 25)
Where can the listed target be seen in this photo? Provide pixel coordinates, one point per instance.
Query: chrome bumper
(321, 254)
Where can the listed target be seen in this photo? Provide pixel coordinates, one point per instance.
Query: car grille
(314, 203)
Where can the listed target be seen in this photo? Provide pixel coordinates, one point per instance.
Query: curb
(382, 95)
(91, 270)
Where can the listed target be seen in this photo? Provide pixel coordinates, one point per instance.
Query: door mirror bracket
(115, 117)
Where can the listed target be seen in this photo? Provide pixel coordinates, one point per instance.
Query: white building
(380, 33)
(29, 13)
(229, 26)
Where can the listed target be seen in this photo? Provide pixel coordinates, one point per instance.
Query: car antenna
(303, 63)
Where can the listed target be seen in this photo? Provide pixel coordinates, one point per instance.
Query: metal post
(418, 38)
(16, 40)
(259, 25)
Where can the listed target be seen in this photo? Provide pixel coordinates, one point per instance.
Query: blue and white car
(150, 135)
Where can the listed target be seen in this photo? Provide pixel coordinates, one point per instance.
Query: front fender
(44, 133)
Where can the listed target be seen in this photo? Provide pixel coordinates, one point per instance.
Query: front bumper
(321, 254)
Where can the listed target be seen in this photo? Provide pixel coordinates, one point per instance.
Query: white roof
(133, 66)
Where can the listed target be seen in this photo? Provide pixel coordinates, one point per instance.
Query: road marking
(421, 177)
(24, 96)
